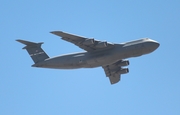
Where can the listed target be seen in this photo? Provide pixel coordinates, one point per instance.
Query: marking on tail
(35, 51)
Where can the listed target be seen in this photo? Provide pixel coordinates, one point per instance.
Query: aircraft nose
(151, 45)
(156, 45)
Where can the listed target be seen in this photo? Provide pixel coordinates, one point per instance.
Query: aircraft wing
(114, 72)
(87, 44)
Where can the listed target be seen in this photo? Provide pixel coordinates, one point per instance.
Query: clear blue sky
(151, 88)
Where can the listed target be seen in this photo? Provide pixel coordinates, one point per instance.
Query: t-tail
(35, 51)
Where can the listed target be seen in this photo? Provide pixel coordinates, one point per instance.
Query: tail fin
(35, 51)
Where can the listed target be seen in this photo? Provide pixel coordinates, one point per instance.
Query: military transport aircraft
(110, 56)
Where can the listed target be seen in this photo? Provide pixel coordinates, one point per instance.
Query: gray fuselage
(100, 58)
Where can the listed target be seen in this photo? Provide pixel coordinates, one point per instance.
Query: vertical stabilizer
(35, 51)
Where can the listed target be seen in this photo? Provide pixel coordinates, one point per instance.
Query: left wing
(115, 70)
(87, 44)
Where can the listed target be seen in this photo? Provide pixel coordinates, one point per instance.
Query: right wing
(87, 44)
(114, 71)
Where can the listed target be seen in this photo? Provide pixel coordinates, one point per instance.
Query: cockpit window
(146, 38)
(136, 41)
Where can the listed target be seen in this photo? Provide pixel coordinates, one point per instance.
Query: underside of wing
(115, 70)
(115, 78)
(88, 44)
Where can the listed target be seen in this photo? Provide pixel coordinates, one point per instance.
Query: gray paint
(108, 55)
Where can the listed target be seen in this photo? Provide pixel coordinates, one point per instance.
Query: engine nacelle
(123, 63)
(88, 42)
(123, 71)
(102, 45)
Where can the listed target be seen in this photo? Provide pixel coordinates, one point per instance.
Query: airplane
(110, 56)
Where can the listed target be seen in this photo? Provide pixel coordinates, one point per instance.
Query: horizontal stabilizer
(29, 44)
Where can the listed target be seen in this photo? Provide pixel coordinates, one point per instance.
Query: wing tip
(19, 40)
(56, 32)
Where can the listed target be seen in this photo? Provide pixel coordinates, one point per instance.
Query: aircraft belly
(72, 62)
(81, 61)
(100, 60)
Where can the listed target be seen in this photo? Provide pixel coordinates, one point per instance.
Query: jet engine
(123, 71)
(88, 42)
(102, 45)
(123, 63)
